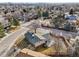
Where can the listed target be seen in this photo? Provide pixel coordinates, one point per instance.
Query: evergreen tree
(39, 13)
(1, 31)
(45, 14)
(24, 10)
(71, 11)
(16, 22)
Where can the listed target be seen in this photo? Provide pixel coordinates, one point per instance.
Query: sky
(37, 1)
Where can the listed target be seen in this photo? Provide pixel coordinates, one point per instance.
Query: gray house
(38, 40)
(5, 23)
(34, 39)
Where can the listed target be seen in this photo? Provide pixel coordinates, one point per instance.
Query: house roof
(4, 21)
(32, 53)
(41, 37)
(42, 31)
(71, 17)
(33, 39)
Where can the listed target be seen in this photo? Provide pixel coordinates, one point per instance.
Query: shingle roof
(33, 39)
(71, 17)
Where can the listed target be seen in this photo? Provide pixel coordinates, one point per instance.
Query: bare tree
(35, 25)
(57, 46)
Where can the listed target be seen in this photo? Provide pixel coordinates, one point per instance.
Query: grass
(46, 51)
(13, 29)
(40, 49)
(2, 35)
(51, 50)
(22, 44)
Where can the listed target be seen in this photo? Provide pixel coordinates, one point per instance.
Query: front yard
(53, 50)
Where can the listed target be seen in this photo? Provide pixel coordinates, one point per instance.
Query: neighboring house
(71, 17)
(4, 21)
(32, 15)
(18, 15)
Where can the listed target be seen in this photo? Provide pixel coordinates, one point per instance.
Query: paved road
(8, 41)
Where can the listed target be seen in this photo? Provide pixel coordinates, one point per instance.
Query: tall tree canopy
(1, 31)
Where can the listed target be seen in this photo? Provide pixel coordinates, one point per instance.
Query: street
(9, 41)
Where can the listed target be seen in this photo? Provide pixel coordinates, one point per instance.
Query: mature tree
(35, 26)
(45, 14)
(10, 21)
(6, 11)
(38, 7)
(58, 46)
(24, 10)
(39, 13)
(16, 22)
(71, 11)
(1, 31)
(76, 46)
(58, 21)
